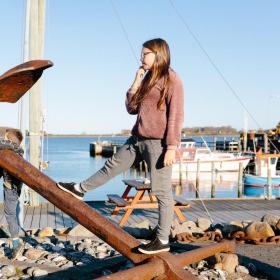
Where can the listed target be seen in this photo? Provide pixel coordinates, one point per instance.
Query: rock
(242, 269)
(59, 259)
(34, 254)
(272, 220)
(203, 223)
(48, 231)
(229, 261)
(101, 255)
(39, 272)
(90, 251)
(218, 266)
(102, 248)
(67, 265)
(186, 227)
(221, 274)
(8, 271)
(30, 270)
(228, 229)
(21, 258)
(56, 249)
(2, 242)
(24, 276)
(277, 228)
(201, 264)
(2, 253)
(237, 224)
(79, 230)
(259, 230)
(87, 241)
(41, 261)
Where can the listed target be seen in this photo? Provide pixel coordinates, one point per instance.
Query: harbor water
(69, 160)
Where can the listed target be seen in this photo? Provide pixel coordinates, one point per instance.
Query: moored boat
(265, 176)
(189, 157)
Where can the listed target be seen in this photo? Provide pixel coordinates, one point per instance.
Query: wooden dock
(48, 215)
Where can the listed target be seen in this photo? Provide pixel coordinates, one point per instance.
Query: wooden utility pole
(36, 49)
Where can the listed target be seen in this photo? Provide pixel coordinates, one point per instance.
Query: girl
(156, 97)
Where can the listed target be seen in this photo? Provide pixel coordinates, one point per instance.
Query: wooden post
(36, 49)
(265, 143)
(25, 191)
(215, 142)
(240, 180)
(269, 180)
(197, 179)
(213, 186)
(245, 135)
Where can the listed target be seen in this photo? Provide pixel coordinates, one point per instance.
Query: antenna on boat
(205, 143)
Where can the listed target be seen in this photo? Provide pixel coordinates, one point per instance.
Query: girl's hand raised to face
(138, 79)
(169, 157)
(140, 74)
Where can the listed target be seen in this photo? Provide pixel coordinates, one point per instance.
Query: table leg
(128, 212)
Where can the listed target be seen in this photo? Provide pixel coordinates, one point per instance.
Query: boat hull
(189, 168)
(257, 185)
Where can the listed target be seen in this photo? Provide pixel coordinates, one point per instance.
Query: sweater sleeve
(129, 108)
(175, 115)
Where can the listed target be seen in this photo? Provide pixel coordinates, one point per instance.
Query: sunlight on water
(69, 160)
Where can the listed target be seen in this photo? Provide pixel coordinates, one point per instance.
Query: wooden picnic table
(142, 199)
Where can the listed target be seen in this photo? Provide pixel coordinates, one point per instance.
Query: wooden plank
(59, 223)
(181, 200)
(28, 217)
(67, 220)
(51, 215)
(118, 200)
(2, 215)
(138, 184)
(35, 222)
(44, 215)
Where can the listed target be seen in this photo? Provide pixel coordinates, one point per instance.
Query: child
(156, 97)
(12, 189)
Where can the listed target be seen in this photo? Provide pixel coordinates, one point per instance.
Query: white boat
(188, 156)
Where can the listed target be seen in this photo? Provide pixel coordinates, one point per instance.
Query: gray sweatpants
(152, 151)
(11, 197)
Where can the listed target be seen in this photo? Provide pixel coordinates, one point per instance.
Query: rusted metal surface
(225, 246)
(186, 237)
(240, 237)
(147, 271)
(18, 80)
(78, 210)
(160, 266)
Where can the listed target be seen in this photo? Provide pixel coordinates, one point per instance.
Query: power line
(222, 76)
(124, 31)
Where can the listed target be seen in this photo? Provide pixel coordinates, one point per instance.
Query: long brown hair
(160, 69)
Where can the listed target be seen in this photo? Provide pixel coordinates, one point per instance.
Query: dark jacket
(10, 181)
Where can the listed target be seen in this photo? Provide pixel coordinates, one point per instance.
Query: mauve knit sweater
(165, 123)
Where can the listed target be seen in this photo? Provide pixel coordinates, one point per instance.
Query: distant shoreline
(114, 135)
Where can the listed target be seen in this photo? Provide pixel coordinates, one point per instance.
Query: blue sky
(94, 65)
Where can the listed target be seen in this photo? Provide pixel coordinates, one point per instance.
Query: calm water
(70, 161)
